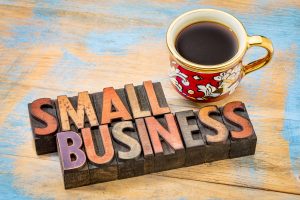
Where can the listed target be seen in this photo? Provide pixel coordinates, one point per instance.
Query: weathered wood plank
(51, 49)
(133, 188)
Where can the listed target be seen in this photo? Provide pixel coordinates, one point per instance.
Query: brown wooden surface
(65, 47)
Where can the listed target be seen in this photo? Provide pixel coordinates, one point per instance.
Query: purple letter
(68, 146)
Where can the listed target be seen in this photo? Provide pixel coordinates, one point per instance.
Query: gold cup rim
(206, 68)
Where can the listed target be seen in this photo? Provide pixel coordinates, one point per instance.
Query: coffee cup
(203, 68)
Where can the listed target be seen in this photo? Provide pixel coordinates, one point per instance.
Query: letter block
(44, 124)
(73, 159)
(111, 105)
(242, 135)
(138, 100)
(128, 132)
(146, 146)
(156, 97)
(166, 141)
(76, 112)
(194, 144)
(214, 132)
(128, 150)
(100, 152)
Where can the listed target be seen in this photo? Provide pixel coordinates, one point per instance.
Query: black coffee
(207, 43)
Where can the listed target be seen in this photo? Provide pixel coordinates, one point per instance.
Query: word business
(127, 132)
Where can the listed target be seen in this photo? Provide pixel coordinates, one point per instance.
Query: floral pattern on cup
(205, 86)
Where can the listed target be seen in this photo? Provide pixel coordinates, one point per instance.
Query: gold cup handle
(263, 42)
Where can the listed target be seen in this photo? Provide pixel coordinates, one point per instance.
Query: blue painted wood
(49, 48)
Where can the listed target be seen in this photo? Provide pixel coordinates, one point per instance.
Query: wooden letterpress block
(214, 132)
(111, 105)
(166, 141)
(242, 136)
(156, 97)
(194, 144)
(73, 159)
(44, 124)
(146, 146)
(76, 112)
(138, 101)
(102, 162)
(128, 149)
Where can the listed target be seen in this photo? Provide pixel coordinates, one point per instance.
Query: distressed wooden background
(52, 47)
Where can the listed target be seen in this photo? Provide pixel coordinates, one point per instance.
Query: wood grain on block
(242, 135)
(73, 159)
(111, 105)
(156, 97)
(138, 101)
(194, 144)
(76, 111)
(166, 141)
(214, 132)
(102, 162)
(146, 146)
(44, 124)
(128, 149)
